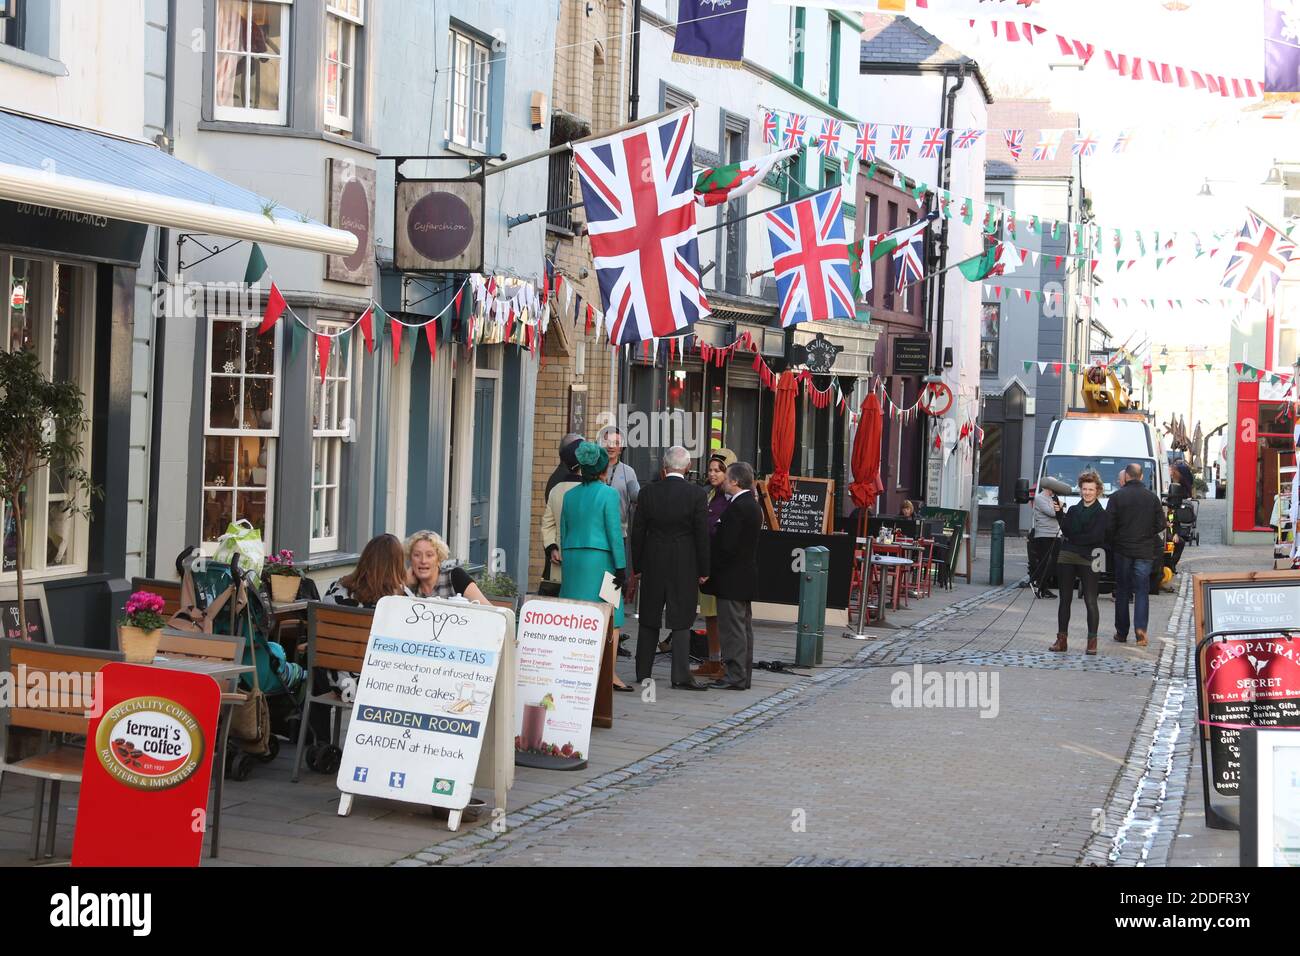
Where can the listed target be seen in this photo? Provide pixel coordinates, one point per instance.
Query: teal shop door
(480, 493)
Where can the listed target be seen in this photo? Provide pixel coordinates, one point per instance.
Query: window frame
(16, 21)
(248, 114)
(38, 497)
(477, 79)
(351, 25)
(995, 339)
(335, 437)
(272, 434)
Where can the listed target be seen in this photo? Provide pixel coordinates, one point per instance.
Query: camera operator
(1042, 542)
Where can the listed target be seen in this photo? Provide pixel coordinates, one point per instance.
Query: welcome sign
(423, 700)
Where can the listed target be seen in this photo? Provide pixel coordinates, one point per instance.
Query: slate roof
(897, 41)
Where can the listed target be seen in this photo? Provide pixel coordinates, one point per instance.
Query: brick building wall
(590, 85)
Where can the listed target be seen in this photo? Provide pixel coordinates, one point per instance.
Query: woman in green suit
(591, 535)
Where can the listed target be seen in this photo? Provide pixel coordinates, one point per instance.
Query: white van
(1106, 444)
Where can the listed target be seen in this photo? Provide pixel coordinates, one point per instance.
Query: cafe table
(885, 563)
(221, 672)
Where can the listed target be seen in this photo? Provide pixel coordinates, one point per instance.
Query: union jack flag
(908, 262)
(810, 259)
(1049, 141)
(932, 145)
(865, 145)
(771, 127)
(1015, 142)
(796, 131)
(642, 227)
(900, 141)
(1085, 144)
(1260, 256)
(828, 140)
(1122, 140)
(967, 138)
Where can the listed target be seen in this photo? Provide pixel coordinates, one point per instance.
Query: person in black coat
(1083, 534)
(670, 552)
(1136, 523)
(734, 576)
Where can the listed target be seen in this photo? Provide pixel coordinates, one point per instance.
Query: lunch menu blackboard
(11, 627)
(807, 511)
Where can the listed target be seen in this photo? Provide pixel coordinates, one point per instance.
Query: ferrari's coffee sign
(439, 225)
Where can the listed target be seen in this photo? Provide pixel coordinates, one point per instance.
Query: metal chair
(61, 712)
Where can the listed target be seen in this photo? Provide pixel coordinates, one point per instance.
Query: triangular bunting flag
(256, 267)
(323, 343)
(367, 332)
(275, 306)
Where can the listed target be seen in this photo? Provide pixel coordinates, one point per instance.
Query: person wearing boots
(1083, 532)
(1046, 530)
(1135, 529)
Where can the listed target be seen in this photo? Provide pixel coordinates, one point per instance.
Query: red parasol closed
(866, 483)
(778, 486)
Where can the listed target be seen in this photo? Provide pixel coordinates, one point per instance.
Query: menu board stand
(1247, 675)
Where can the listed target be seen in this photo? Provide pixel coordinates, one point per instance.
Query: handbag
(250, 722)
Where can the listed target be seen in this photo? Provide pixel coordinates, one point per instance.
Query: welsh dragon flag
(713, 187)
(996, 260)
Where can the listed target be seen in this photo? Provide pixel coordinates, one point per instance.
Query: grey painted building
(1019, 405)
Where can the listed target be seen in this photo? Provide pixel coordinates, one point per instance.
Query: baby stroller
(221, 598)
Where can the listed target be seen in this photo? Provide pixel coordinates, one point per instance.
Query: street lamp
(1205, 189)
(1274, 178)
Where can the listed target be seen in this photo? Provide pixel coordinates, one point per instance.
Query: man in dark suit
(734, 576)
(670, 551)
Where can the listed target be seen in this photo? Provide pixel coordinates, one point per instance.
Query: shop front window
(685, 405)
(46, 310)
(1275, 450)
(991, 464)
(242, 425)
(332, 425)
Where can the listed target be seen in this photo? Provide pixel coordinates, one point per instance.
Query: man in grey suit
(670, 552)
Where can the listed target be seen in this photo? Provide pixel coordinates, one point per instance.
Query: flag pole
(533, 157)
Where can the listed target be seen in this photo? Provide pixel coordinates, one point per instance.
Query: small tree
(41, 425)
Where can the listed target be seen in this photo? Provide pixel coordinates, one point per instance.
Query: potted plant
(281, 577)
(139, 629)
(41, 426)
(499, 588)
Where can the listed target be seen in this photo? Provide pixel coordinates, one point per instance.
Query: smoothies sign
(422, 702)
(560, 645)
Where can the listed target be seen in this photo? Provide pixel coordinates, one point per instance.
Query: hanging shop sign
(818, 354)
(560, 647)
(352, 208)
(148, 758)
(439, 225)
(423, 701)
(911, 355)
(1247, 675)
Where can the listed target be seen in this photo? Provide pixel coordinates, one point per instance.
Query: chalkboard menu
(1248, 673)
(808, 510)
(11, 624)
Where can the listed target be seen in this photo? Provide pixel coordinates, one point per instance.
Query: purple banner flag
(1281, 46)
(711, 32)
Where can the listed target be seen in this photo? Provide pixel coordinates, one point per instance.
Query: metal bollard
(997, 541)
(812, 606)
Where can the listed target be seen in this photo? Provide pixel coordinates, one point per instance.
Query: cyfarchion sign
(438, 225)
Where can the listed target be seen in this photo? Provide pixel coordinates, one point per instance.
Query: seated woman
(380, 571)
(434, 573)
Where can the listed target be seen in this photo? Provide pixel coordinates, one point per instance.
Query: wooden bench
(63, 713)
(169, 591)
(336, 640)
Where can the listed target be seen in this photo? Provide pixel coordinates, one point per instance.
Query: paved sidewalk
(270, 821)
